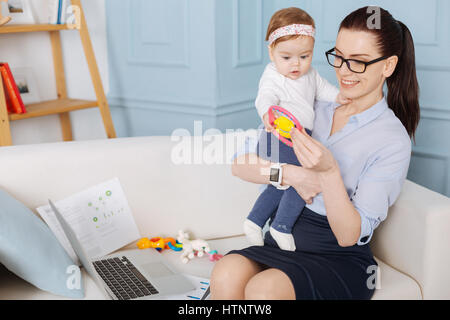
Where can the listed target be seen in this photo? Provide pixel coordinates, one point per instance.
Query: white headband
(293, 29)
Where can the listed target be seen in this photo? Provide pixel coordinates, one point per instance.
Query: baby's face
(292, 58)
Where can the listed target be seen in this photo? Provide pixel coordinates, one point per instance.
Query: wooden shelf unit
(21, 28)
(63, 105)
(47, 108)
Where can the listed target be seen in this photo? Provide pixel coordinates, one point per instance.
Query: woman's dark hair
(393, 38)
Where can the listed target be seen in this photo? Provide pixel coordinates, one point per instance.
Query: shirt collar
(355, 122)
(367, 115)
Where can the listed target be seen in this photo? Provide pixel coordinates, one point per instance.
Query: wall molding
(135, 42)
(237, 61)
(233, 105)
(434, 112)
(430, 153)
(186, 107)
(427, 153)
(200, 108)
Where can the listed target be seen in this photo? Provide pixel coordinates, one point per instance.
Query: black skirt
(319, 268)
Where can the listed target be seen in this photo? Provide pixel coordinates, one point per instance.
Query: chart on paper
(103, 211)
(100, 217)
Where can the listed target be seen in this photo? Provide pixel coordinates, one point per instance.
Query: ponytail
(394, 39)
(403, 88)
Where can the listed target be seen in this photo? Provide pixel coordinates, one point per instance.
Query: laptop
(129, 274)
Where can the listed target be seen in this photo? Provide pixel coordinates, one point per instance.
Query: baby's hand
(342, 100)
(267, 125)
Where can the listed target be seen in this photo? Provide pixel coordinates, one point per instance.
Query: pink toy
(283, 124)
(214, 256)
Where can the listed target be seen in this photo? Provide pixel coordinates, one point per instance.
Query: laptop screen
(76, 245)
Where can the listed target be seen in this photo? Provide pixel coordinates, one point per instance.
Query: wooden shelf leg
(66, 126)
(5, 130)
(95, 74)
(60, 77)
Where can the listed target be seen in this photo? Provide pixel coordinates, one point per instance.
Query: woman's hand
(312, 154)
(304, 181)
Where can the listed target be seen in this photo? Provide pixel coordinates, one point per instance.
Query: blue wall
(176, 61)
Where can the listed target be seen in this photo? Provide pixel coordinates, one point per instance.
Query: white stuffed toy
(191, 247)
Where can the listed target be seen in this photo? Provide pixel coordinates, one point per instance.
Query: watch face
(274, 174)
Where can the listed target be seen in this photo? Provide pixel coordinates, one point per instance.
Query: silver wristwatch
(276, 175)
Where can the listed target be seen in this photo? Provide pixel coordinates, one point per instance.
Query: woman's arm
(343, 218)
(251, 168)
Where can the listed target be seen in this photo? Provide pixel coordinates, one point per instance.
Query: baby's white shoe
(254, 233)
(284, 240)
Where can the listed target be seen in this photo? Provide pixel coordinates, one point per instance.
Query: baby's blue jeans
(287, 203)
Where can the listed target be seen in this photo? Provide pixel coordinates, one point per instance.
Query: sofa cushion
(31, 251)
(394, 284)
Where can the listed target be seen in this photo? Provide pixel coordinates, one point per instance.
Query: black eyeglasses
(353, 65)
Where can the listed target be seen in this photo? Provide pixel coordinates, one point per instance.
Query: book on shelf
(12, 94)
(64, 11)
(57, 11)
(53, 6)
(9, 105)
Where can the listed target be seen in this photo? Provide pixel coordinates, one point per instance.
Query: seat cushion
(394, 284)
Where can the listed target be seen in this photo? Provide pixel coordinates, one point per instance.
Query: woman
(354, 166)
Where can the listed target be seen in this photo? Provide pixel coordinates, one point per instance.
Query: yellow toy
(284, 126)
(158, 243)
(284, 122)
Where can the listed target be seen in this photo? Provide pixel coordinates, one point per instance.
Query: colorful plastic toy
(158, 243)
(192, 248)
(177, 247)
(283, 123)
(214, 256)
(144, 243)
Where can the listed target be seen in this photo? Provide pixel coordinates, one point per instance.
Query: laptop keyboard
(124, 280)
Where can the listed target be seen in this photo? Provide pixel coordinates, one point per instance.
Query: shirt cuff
(366, 229)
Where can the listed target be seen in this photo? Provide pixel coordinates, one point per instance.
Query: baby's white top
(296, 96)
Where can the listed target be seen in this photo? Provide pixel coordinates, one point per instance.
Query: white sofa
(412, 246)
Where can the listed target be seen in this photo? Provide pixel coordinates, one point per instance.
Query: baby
(290, 82)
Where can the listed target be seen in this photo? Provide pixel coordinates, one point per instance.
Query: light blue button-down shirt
(373, 151)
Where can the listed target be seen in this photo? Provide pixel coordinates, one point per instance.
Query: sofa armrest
(415, 239)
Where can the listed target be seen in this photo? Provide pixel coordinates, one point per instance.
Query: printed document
(100, 217)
